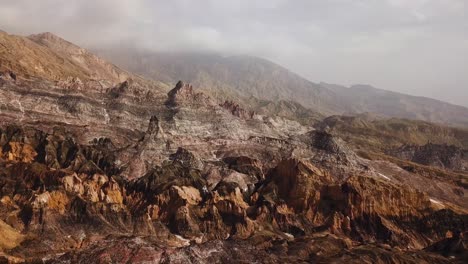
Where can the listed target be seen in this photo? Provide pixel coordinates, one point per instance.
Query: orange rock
(21, 152)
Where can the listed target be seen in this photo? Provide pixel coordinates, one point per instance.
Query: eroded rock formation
(237, 110)
(99, 169)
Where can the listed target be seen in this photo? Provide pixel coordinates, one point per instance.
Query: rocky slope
(48, 56)
(133, 172)
(443, 156)
(93, 66)
(245, 76)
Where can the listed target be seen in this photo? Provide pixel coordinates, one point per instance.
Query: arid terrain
(99, 164)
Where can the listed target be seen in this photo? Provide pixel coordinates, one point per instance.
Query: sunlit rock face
(99, 169)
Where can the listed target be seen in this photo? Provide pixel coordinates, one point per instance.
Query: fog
(419, 47)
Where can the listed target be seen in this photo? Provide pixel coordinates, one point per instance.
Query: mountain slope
(365, 98)
(48, 56)
(250, 76)
(94, 66)
(243, 76)
(381, 134)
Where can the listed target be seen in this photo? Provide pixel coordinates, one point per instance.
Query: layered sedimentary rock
(167, 172)
(131, 171)
(171, 207)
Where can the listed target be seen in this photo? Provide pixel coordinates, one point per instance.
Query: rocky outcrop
(237, 110)
(57, 150)
(183, 93)
(246, 165)
(119, 90)
(298, 184)
(332, 153)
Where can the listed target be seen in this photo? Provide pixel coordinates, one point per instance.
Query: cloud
(411, 46)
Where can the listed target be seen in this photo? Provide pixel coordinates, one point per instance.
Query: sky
(418, 47)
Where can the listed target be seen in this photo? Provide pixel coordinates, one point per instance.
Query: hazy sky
(417, 47)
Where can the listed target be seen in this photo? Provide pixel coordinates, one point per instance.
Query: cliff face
(133, 172)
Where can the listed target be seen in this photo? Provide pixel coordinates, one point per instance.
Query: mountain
(243, 76)
(251, 76)
(366, 98)
(100, 171)
(375, 133)
(48, 56)
(94, 66)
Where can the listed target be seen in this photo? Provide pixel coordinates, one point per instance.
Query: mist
(418, 47)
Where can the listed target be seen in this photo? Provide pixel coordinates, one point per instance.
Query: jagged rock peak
(153, 132)
(153, 126)
(183, 93)
(120, 89)
(180, 92)
(236, 110)
(181, 86)
(103, 143)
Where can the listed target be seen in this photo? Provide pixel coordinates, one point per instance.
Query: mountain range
(183, 158)
(247, 76)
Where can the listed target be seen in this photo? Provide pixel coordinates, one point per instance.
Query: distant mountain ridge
(365, 98)
(245, 76)
(257, 77)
